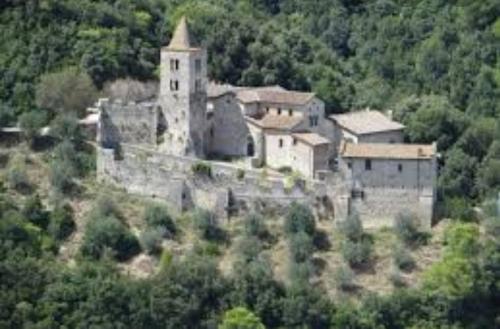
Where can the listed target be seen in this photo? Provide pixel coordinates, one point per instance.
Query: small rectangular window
(349, 165)
(279, 111)
(267, 109)
(400, 167)
(176, 85)
(368, 164)
(197, 65)
(295, 141)
(197, 85)
(290, 112)
(177, 65)
(281, 142)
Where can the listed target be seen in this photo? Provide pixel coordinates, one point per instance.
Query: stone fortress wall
(230, 189)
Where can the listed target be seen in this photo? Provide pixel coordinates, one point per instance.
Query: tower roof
(181, 39)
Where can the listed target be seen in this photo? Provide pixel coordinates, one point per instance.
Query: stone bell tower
(183, 95)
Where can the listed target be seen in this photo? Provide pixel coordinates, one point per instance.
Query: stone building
(366, 126)
(353, 162)
(391, 178)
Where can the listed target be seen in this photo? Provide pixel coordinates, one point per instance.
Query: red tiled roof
(387, 151)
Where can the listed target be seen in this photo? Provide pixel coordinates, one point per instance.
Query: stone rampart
(379, 206)
(229, 189)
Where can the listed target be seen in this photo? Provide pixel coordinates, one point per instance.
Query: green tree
(299, 218)
(108, 233)
(436, 120)
(68, 92)
(31, 124)
(240, 318)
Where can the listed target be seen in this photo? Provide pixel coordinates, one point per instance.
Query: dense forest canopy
(433, 63)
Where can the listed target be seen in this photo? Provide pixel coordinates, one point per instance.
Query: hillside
(78, 253)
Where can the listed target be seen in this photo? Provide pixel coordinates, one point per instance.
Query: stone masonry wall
(170, 178)
(379, 206)
(126, 123)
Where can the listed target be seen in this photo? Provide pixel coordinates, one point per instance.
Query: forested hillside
(67, 244)
(433, 62)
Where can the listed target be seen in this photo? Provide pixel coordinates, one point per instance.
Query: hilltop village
(234, 148)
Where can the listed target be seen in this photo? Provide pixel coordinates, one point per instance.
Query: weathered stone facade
(159, 144)
(229, 189)
(126, 123)
(183, 96)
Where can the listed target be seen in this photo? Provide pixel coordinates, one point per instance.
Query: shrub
(357, 253)
(206, 224)
(352, 228)
(299, 218)
(105, 207)
(207, 248)
(301, 247)
(402, 258)
(344, 278)
(254, 225)
(240, 318)
(61, 223)
(18, 179)
(285, 170)
(157, 216)
(406, 227)
(249, 248)
(61, 177)
(151, 240)
(460, 208)
(166, 259)
(66, 128)
(108, 233)
(462, 239)
(34, 212)
(397, 279)
(31, 123)
(18, 233)
(6, 115)
(300, 272)
(240, 174)
(202, 169)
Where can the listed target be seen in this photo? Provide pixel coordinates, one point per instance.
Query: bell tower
(183, 94)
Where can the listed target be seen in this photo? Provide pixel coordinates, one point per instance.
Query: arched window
(250, 147)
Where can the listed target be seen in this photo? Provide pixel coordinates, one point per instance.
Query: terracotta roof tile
(366, 122)
(273, 94)
(280, 122)
(311, 138)
(387, 151)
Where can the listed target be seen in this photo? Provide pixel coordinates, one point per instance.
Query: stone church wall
(229, 133)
